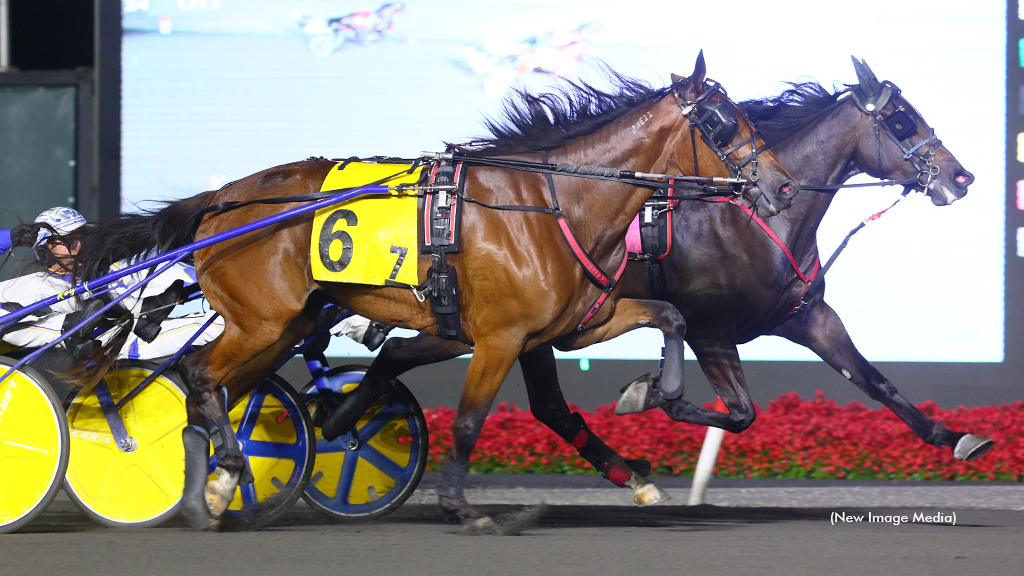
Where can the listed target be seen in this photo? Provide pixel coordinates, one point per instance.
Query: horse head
(900, 143)
(728, 136)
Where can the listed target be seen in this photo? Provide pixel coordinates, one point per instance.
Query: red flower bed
(793, 438)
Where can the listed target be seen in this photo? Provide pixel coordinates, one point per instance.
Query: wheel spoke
(346, 477)
(381, 462)
(379, 421)
(115, 472)
(259, 448)
(250, 416)
(332, 447)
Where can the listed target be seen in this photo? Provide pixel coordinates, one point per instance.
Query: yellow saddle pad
(371, 239)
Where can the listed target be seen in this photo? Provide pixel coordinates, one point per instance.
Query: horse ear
(865, 78)
(690, 88)
(699, 70)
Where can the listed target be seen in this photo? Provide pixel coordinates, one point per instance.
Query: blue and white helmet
(62, 219)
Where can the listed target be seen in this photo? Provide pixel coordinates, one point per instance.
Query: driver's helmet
(62, 219)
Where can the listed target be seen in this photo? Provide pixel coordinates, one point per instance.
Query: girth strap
(441, 231)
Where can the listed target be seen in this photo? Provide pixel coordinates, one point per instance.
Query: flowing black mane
(780, 116)
(534, 122)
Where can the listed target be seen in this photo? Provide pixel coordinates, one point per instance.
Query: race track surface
(777, 537)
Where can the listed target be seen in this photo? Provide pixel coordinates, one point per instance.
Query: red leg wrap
(619, 473)
(580, 440)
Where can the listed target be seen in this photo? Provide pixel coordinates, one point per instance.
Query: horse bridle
(899, 126)
(717, 128)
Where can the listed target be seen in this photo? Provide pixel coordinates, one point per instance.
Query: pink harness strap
(633, 235)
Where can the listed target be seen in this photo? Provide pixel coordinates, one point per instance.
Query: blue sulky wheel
(276, 435)
(376, 473)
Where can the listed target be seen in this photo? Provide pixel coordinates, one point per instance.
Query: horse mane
(534, 122)
(779, 116)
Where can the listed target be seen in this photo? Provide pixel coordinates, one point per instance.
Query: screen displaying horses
(216, 90)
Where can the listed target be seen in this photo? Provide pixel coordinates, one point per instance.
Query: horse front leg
(549, 407)
(492, 359)
(647, 391)
(821, 330)
(666, 389)
(720, 361)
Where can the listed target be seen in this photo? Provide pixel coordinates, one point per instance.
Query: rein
(820, 279)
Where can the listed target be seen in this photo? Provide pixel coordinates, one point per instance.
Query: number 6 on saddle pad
(368, 240)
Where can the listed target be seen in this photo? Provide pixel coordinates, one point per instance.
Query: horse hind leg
(204, 503)
(216, 375)
(549, 407)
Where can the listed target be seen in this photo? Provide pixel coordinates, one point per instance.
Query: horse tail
(133, 236)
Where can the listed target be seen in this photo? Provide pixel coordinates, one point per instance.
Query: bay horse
(520, 285)
(824, 139)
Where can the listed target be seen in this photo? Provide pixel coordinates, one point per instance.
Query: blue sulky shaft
(173, 256)
(39, 352)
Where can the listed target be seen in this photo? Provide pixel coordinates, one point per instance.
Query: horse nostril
(962, 179)
(785, 189)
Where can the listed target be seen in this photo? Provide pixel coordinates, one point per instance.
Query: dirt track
(564, 540)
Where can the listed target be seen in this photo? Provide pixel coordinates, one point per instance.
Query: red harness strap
(604, 294)
(805, 278)
(592, 269)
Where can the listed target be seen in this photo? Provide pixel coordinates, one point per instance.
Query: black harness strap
(655, 242)
(441, 226)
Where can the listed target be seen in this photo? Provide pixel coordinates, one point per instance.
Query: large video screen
(214, 90)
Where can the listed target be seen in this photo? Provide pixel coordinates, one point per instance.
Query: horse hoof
(971, 447)
(639, 396)
(220, 492)
(478, 526)
(645, 492)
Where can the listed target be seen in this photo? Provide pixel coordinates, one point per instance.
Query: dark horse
(824, 139)
(520, 284)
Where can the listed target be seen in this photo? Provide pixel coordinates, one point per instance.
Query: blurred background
(107, 105)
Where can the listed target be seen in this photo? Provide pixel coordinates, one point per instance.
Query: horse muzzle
(945, 191)
(772, 197)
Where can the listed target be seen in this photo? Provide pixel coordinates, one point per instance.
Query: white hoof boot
(220, 492)
(645, 492)
(970, 447)
(639, 396)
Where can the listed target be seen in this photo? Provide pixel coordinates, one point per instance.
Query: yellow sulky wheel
(374, 472)
(141, 487)
(33, 446)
